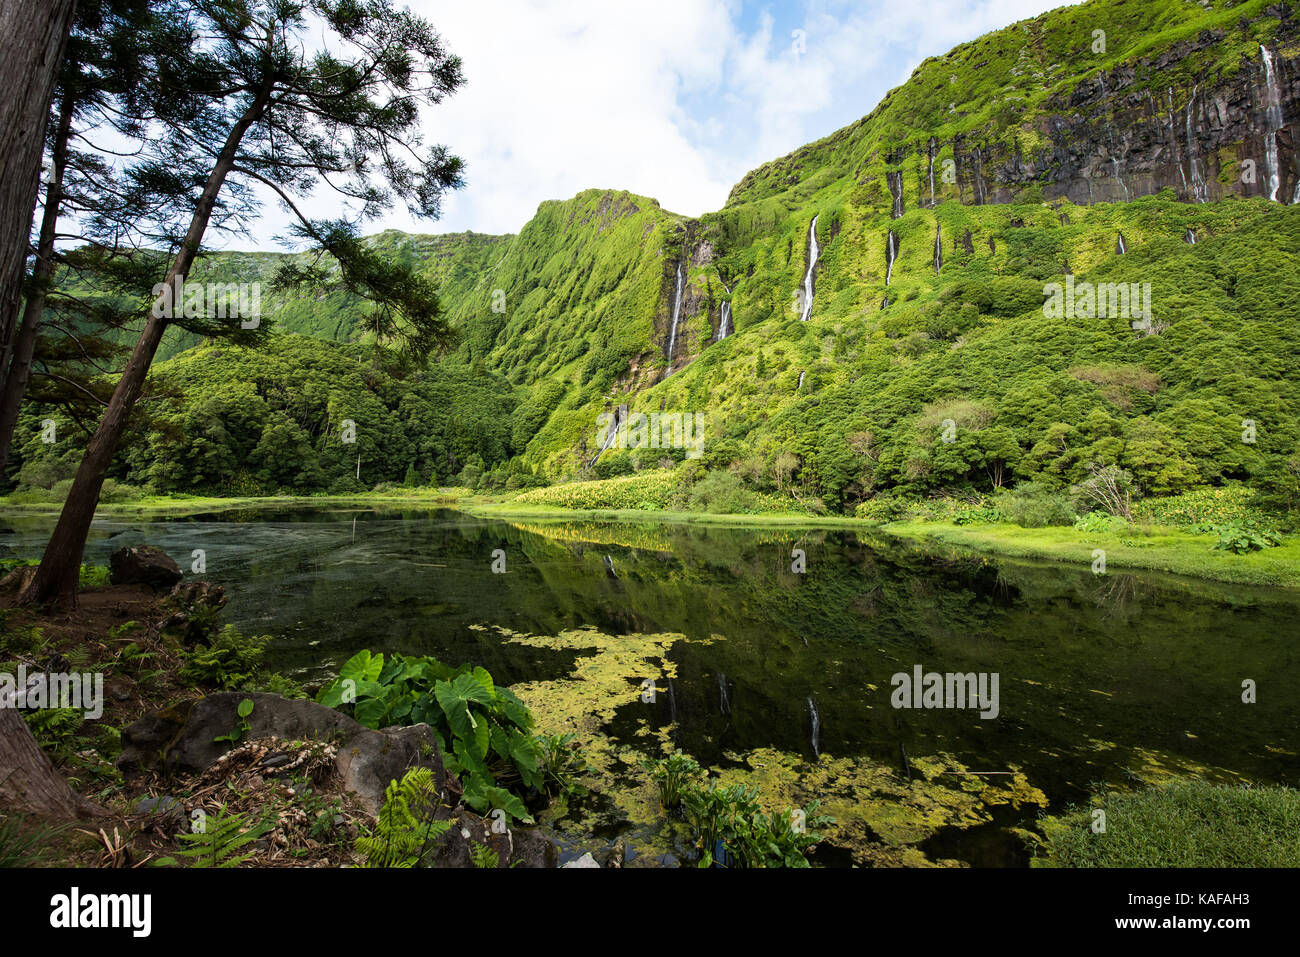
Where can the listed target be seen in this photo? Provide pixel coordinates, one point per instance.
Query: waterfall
(816, 727)
(813, 252)
(1189, 237)
(800, 385)
(1120, 246)
(938, 249)
(724, 318)
(1114, 162)
(1274, 116)
(1200, 192)
(724, 699)
(931, 151)
(1173, 139)
(620, 414)
(895, 183)
(677, 309)
(891, 253)
(1110, 139)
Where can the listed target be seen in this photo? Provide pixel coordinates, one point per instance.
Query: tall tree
(32, 38)
(105, 57)
(288, 117)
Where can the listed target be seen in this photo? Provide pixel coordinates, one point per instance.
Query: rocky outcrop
(183, 739)
(145, 565)
(1114, 138)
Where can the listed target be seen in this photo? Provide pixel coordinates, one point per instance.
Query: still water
(640, 638)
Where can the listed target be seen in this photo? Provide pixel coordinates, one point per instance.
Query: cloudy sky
(673, 99)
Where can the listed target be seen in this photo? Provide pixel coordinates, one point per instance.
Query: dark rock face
(368, 760)
(1122, 135)
(514, 847)
(1114, 139)
(145, 565)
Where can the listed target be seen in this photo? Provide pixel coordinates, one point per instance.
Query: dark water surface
(1099, 676)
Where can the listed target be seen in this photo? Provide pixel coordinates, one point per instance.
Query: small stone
(164, 804)
(585, 861)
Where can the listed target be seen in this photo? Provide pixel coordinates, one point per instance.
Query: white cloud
(667, 98)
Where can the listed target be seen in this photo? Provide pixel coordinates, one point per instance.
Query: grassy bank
(179, 505)
(1185, 823)
(1157, 548)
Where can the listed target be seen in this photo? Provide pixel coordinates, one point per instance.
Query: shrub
(1244, 537)
(977, 515)
(1100, 523)
(882, 508)
(1033, 505)
(230, 660)
(613, 464)
(721, 493)
(1109, 487)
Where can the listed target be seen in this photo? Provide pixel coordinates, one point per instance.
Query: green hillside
(1027, 158)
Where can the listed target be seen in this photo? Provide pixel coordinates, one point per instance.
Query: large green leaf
(455, 697)
(484, 798)
(515, 710)
(363, 667)
(523, 752)
(372, 712)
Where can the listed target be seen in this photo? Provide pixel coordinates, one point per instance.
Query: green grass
(195, 504)
(1183, 823)
(1159, 549)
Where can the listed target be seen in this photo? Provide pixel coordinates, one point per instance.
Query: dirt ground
(285, 790)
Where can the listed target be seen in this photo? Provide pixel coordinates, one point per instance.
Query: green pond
(773, 677)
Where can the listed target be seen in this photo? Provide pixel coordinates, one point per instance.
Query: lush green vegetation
(275, 419)
(730, 827)
(952, 383)
(484, 732)
(1183, 823)
(406, 826)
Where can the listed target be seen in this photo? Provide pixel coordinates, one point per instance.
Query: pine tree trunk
(32, 38)
(28, 779)
(20, 370)
(56, 578)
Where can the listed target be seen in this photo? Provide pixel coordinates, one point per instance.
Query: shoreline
(1165, 549)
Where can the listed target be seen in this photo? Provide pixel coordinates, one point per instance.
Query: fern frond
(406, 825)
